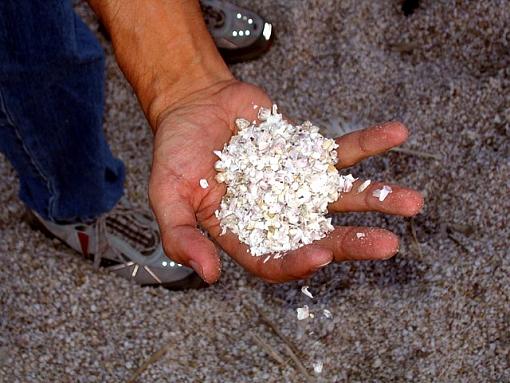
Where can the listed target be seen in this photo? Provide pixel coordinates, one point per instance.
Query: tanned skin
(191, 99)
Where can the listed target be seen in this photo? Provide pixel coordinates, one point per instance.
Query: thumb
(182, 241)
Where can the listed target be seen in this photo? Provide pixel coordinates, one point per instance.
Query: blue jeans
(51, 111)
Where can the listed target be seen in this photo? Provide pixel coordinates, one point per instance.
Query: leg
(51, 110)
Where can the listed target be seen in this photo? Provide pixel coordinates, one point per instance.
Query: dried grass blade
(155, 357)
(289, 346)
(269, 350)
(417, 153)
(415, 239)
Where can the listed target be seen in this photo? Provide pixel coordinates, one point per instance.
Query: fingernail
(198, 269)
(391, 255)
(321, 266)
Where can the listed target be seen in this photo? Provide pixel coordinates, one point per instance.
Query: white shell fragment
(280, 180)
(303, 312)
(242, 123)
(317, 366)
(382, 193)
(360, 235)
(203, 183)
(327, 313)
(348, 180)
(363, 186)
(307, 292)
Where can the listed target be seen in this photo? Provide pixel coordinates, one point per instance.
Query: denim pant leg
(51, 111)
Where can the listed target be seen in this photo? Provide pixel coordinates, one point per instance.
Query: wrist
(165, 93)
(163, 48)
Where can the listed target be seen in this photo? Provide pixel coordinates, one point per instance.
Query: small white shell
(219, 165)
(381, 194)
(317, 366)
(242, 123)
(220, 177)
(307, 292)
(303, 312)
(348, 181)
(363, 186)
(263, 113)
(203, 183)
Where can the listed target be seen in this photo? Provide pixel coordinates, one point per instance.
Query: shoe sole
(252, 52)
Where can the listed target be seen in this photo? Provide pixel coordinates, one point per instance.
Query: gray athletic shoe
(125, 241)
(239, 33)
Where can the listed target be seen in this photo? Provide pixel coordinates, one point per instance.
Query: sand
(439, 314)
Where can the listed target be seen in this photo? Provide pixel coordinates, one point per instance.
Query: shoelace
(102, 241)
(132, 214)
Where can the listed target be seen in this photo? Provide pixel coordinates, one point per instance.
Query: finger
(401, 201)
(297, 264)
(356, 146)
(182, 241)
(360, 243)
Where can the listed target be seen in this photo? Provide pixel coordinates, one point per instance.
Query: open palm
(184, 142)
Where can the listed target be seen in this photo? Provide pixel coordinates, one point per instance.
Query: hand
(185, 137)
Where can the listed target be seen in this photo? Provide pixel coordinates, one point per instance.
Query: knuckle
(363, 138)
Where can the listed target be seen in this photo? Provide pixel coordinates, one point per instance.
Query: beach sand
(439, 313)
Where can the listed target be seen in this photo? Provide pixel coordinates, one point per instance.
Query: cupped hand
(185, 137)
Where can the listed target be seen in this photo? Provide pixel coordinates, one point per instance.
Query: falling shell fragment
(303, 312)
(317, 366)
(305, 290)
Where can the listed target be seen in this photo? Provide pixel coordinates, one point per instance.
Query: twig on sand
(450, 230)
(298, 362)
(463, 228)
(264, 318)
(403, 47)
(459, 243)
(289, 347)
(415, 239)
(417, 153)
(269, 350)
(150, 360)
